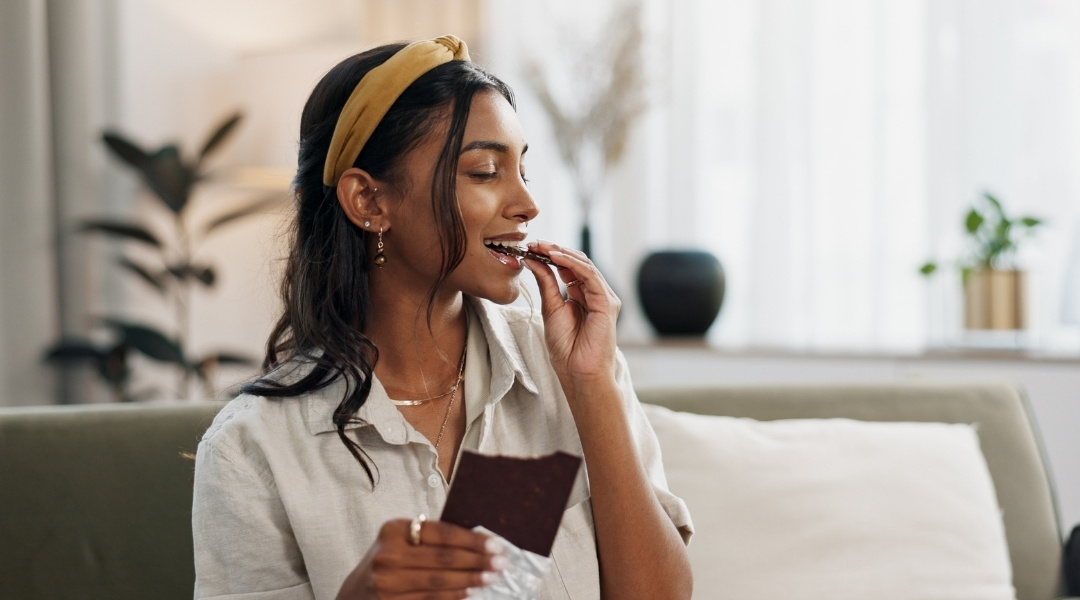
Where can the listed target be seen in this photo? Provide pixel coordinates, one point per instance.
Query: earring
(367, 223)
(380, 258)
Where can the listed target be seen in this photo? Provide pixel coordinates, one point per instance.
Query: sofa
(95, 500)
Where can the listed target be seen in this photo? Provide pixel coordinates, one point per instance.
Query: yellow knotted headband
(377, 92)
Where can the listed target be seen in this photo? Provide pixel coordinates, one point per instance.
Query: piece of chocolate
(537, 257)
(522, 253)
(521, 499)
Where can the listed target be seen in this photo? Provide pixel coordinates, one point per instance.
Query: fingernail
(499, 562)
(493, 546)
(488, 577)
(541, 241)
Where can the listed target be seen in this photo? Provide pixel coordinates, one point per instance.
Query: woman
(395, 336)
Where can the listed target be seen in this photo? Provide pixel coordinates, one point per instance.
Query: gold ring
(414, 529)
(574, 282)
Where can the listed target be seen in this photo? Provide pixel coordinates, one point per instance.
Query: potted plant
(995, 291)
(172, 269)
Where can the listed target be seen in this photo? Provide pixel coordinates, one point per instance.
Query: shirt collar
(507, 362)
(377, 412)
(507, 366)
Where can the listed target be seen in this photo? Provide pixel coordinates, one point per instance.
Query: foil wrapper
(519, 581)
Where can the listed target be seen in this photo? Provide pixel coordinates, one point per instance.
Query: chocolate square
(521, 499)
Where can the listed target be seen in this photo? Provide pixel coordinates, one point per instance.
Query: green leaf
(225, 358)
(219, 135)
(928, 268)
(995, 203)
(205, 366)
(163, 172)
(169, 178)
(973, 221)
(251, 209)
(965, 274)
(113, 367)
(110, 362)
(73, 350)
(1031, 221)
(128, 231)
(142, 272)
(149, 341)
(204, 274)
(126, 150)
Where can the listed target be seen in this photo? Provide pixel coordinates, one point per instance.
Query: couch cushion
(95, 500)
(836, 508)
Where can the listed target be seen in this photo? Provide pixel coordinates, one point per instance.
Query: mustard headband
(377, 92)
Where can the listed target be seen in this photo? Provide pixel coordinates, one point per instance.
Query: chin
(505, 295)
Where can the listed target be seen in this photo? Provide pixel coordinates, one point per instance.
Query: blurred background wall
(822, 150)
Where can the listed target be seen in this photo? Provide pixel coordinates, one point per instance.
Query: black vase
(681, 291)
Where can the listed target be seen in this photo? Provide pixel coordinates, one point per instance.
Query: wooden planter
(996, 299)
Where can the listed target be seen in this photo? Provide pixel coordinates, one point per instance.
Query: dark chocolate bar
(521, 499)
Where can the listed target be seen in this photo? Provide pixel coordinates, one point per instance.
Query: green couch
(95, 501)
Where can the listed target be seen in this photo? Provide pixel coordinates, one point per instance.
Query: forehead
(492, 118)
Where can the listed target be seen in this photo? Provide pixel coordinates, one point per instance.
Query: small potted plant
(995, 291)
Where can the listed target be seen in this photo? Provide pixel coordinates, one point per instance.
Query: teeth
(501, 243)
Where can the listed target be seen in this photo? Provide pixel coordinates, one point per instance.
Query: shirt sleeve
(244, 546)
(649, 450)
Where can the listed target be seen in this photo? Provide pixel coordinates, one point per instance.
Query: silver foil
(519, 581)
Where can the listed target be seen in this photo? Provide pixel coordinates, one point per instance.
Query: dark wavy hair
(325, 287)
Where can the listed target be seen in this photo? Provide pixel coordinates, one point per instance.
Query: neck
(416, 360)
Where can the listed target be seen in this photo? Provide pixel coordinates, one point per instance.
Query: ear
(358, 195)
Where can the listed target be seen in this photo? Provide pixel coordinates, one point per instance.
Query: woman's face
(495, 205)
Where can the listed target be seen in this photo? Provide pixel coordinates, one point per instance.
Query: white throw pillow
(835, 509)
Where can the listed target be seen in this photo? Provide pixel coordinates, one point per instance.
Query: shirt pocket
(574, 554)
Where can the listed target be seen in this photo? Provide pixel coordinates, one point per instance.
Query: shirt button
(433, 480)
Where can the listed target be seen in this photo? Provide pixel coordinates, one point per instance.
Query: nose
(521, 206)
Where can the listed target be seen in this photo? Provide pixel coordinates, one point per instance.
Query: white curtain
(823, 150)
(27, 309)
(54, 57)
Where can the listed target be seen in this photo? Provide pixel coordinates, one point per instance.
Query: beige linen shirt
(283, 511)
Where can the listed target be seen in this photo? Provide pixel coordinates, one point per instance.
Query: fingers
(448, 561)
(437, 533)
(584, 283)
(550, 298)
(426, 581)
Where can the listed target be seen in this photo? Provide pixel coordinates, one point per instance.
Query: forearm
(641, 552)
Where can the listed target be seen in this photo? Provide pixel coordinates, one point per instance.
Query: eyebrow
(491, 145)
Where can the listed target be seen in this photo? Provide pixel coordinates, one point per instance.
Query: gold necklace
(453, 388)
(453, 395)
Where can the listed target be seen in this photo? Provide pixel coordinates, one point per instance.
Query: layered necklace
(452, 392)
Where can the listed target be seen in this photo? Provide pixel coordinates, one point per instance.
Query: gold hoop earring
(380, 258)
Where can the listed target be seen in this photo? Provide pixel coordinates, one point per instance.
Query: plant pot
(681, 291)
(995, 299)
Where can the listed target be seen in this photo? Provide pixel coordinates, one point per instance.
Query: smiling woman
(412, 206)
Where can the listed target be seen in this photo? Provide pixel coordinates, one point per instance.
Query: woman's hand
(580, 330)
(449, 561)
